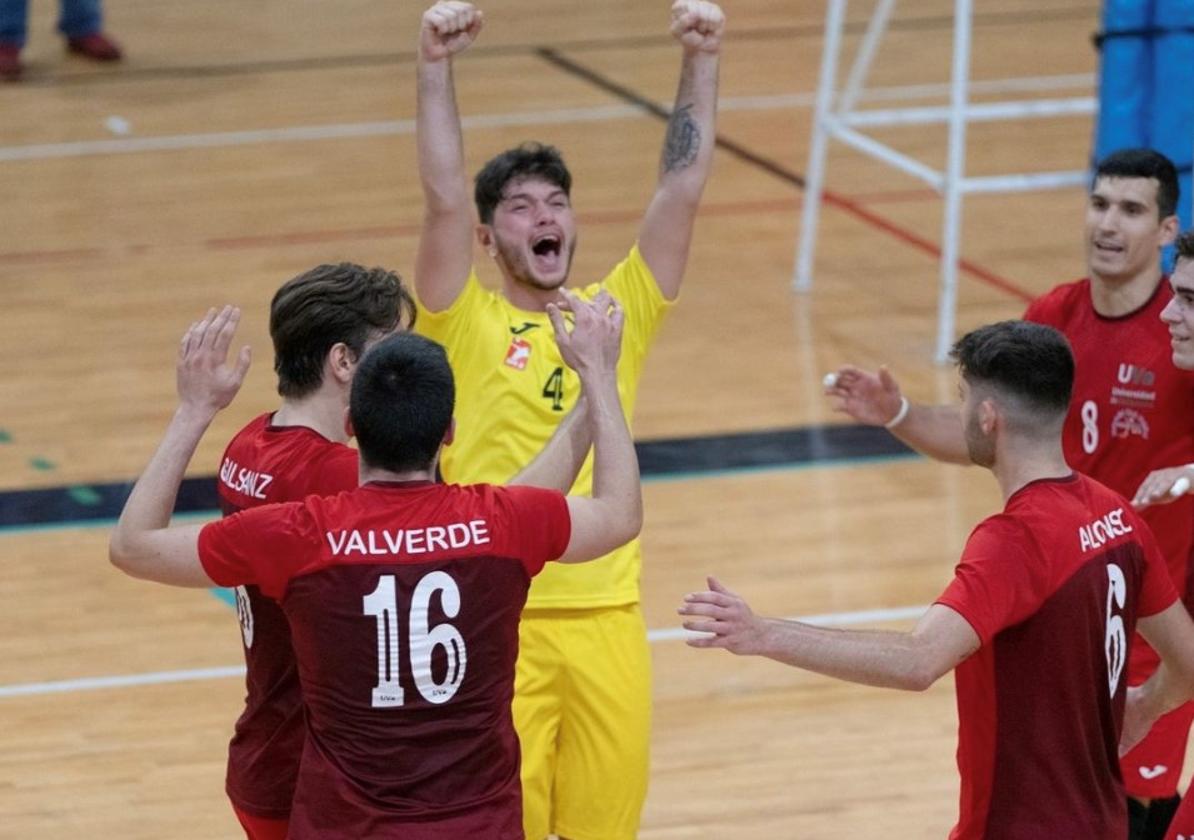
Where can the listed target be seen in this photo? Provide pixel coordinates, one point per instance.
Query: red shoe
(10, 63)
(96, 46)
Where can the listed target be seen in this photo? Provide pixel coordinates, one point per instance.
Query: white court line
(89, 683)
(160, 677)
(333, 131)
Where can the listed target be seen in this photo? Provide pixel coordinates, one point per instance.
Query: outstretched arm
(143, 544)
(941, 640)
(875, 399)
(444, 256)
(687, 156)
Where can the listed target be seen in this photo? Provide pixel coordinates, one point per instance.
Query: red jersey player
(1036, 621)
(1164, 485)
(321, 322)
(403, 595)
(1131, 412)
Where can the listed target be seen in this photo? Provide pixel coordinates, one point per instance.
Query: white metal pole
(866, 54)
(955, 169)
(809, 214)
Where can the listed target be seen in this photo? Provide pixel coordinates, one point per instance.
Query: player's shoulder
(501, 497)
(251, 432)
(631, 272)
(1060, 302)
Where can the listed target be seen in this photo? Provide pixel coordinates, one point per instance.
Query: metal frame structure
(835, 117)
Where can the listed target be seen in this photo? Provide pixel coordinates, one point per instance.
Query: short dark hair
(1029, 363)
(328, 305)
(1184, 246)
(530, 160)
(1143, 163)
(401, 402)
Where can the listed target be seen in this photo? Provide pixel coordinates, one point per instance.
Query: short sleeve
(263, 546)
(531, 524)
(634, 286)
(993, 585)
(450, 326)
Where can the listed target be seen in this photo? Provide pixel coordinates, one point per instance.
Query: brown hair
(329, 305)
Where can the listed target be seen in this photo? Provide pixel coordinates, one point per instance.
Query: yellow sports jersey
(512, 390)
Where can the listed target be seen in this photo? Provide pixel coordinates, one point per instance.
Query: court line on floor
(668, 634)
(557, 116)
(130, 72)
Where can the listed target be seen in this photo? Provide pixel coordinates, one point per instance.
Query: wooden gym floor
(240, 144)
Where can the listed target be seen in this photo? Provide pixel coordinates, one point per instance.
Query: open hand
(204, 379)
(595, 341)
(724, 615)
(871, 398)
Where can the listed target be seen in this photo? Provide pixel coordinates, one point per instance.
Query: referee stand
(837, 117)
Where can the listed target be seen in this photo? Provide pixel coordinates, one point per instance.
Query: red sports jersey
(1053, 587)
(1132, 411)
(404, 601)
(265, 464)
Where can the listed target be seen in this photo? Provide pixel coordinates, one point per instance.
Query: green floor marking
(84, 495)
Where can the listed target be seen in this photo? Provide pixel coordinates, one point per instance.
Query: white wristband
(899, 415)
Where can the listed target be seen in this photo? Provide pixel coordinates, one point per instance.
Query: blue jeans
(77, 18)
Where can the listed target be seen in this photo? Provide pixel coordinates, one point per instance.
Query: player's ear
(348, 429)
(450, 434)
(1170, 226)
(341, 362)
(988, 414)
(486, 238)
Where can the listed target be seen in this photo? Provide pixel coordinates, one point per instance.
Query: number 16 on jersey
(382, 604)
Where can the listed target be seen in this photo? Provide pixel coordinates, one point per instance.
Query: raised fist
(698, 25)
(449, 27)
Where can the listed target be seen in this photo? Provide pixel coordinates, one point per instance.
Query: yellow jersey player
(582, 694)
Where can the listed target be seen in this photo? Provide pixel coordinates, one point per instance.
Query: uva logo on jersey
(1136, 387)
(1128, 422)
(518, 354)
(1132, 375)
(244, 480)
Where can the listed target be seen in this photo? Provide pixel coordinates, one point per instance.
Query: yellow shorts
(582, 708)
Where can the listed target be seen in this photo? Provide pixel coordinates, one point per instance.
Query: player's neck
(526, 297)
(1022, 462)
(373, 474)
(318, 411)
(1112, 297)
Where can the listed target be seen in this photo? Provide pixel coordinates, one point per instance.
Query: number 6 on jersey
(382, 604)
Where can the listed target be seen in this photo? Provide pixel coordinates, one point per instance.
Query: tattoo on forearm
(683, 140)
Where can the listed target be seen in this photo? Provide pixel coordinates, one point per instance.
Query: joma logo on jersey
(1132, 375)
(1103, 530)
(1129, 422)
(244, 480)
(518, 354)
